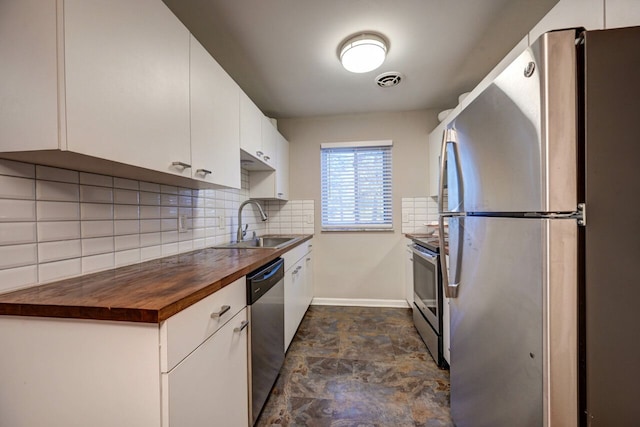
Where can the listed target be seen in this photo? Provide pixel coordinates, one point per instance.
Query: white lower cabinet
(298, 288)
(191, 370)
(408, 273)
(210, 386)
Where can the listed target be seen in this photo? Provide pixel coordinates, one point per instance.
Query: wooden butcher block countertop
(149, 292)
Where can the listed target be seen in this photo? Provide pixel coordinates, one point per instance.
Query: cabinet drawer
(295, 254)
(186, 330)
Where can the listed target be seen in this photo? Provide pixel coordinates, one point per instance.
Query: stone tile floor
(358, 366)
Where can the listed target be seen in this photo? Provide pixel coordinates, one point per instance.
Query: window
(356, 186)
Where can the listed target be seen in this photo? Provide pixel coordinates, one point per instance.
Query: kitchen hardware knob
(308, 259)
(183, 165)
(222, 311)
(259, 153)
(243, 325)
(203, 171)
(266, 158)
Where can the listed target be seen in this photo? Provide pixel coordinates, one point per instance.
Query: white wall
(360, 265)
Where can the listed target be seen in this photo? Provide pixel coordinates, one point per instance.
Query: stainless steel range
(428, 296)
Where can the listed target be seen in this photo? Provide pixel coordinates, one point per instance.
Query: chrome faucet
(241, 233)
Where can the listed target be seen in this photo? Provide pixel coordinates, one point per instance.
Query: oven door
(427, 292)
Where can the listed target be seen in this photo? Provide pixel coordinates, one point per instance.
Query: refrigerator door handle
(449, 136)
(450, 287)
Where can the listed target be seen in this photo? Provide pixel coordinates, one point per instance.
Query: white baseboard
(357, 302)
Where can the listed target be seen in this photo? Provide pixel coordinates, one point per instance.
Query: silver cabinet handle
(243, 325)
(203, 171)
(222, 311)
(298, 268)
(183, 165)
(259, 153)
(266, 158)
(308, 259)
(280, 194)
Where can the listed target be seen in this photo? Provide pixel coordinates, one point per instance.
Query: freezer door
(506, 369)
(513, 149)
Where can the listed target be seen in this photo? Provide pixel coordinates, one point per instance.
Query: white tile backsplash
(12, 187)
(100, 245)
(417, 212)
(14, 278)
(98, 180)
(11, 168)
(17, 210)
(126, 197)
(58, 230)
(57, 191)
(58, 211)
(94, 194)
(59, 250)
(50, 271)
(18, 255)
(55, 174)
(57, 223)
(16, 233)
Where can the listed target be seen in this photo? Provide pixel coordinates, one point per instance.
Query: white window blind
(356, 186)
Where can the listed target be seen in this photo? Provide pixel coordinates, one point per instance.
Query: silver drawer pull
(243, 325)
(181, 164)
(266, 158)
(222, 311)
(203, 171)
(308, 259)
(259, 153)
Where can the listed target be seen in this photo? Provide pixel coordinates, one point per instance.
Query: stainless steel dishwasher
(265, 299)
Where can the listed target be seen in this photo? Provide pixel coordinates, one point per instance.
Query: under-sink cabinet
(298, 288)
(190, 370)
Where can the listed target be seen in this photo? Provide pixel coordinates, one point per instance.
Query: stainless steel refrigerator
(543, 171)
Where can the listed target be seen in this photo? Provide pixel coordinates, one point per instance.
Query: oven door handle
(430, 258)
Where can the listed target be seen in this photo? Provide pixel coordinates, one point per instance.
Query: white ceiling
(283, 53)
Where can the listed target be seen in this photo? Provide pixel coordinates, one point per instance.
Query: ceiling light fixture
(362, 53)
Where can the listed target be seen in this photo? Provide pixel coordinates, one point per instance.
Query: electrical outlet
(182, 224)
(221, 222)
(405, 217)
(309, 219)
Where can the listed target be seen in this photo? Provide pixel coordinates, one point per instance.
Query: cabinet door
(293, 297)
(127, 83)
(29, 83)
(210, 386)
(308, 277)
(282, 168)
(435, 143)
(215, 121)
(408, 275)
(250, 126)
(622, 13)
(269, 141)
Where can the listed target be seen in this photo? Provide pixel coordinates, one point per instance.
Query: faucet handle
(244, 230)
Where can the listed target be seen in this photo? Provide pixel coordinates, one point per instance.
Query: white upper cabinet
(127, 83)
(215, 121)
(568, 14)
(250, 126)
(435, 144)
(273, 184)
(269, 141)
(622, 13)
(28, 87)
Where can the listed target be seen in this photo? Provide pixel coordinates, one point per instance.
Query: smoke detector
(390, 79)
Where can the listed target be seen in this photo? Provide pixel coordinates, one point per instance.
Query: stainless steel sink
(267, 242)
